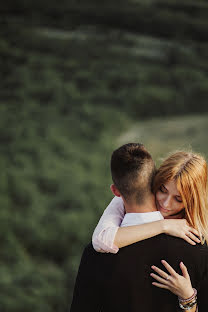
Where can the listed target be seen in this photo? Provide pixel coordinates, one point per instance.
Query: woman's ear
(115, 191)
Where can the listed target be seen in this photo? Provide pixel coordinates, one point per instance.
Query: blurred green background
(78, 79)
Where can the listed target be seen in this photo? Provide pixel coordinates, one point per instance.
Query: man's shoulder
(179, 242)
(89, 247)
(88, 256)
(90, 251)
(97, 261)
(202, 249)
(168, 244)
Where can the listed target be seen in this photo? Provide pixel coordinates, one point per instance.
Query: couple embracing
(159, 220)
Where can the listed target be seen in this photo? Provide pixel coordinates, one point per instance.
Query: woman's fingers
(193, 237)
(191, 229)
(169, 268)
(159, 271)
(159, 279)
(160, 285)
(184, 270)
(186, 238)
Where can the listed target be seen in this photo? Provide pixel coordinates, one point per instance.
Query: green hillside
(79, 79)
(164, 135)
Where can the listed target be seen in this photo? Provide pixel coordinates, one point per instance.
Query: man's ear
(115, 191)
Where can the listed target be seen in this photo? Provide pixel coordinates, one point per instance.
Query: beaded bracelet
(188, 306)
(190, 298)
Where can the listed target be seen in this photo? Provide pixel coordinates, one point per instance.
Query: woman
(180, 188)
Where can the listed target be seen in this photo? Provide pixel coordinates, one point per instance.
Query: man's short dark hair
(133, 169)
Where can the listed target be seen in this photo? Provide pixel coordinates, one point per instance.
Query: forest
(79, 79)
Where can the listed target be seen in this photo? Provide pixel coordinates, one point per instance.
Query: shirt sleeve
(105, 232)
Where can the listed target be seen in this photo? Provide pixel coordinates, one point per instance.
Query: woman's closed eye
(178, 199)
(163, 189)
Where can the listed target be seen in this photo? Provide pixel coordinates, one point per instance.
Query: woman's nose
(166, 202)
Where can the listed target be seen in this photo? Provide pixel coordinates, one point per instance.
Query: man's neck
(148, 206)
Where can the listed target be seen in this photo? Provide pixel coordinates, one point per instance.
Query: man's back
(122, 282)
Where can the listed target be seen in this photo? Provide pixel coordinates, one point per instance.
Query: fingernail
(162, 260)
(181, 263)
(152, 266)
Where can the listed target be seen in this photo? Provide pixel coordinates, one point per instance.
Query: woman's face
(168, 200)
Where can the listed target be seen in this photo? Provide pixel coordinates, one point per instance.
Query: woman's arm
(109, 237)
(104, 233)
(179, 285)
(179, 228)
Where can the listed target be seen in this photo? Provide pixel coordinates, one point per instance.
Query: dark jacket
(122, 283)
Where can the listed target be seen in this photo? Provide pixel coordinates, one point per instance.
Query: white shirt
(141, 218)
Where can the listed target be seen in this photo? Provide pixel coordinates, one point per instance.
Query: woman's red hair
(189, 171)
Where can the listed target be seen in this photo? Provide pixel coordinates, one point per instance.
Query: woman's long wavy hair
(189, 171)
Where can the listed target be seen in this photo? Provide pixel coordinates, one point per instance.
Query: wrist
(188, 294)
(189, 303)
(164, 226)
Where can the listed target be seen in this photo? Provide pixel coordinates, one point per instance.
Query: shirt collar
(141, 218)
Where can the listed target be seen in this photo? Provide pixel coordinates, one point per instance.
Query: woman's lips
(163, 209)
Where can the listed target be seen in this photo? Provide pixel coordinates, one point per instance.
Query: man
(121, 282)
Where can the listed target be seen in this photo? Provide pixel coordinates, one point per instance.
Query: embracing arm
(104, 233)
(131, 234)
(178, 228)
(109, 237)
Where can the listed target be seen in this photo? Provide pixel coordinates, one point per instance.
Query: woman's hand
(181, 228)
(179, 285)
